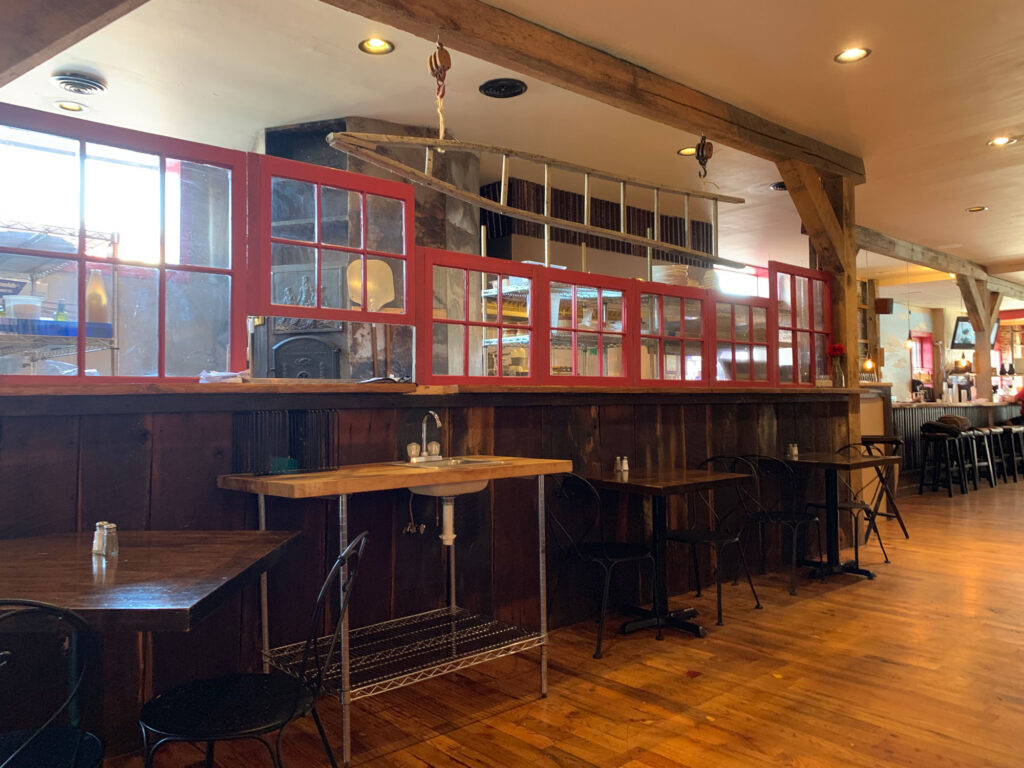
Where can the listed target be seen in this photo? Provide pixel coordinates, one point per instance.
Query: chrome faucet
(424, 452)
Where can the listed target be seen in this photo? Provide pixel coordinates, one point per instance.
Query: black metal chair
(777, 504)
(47, 655)
(575, 521)
(733, 510)
(250, 705)
(857, 505)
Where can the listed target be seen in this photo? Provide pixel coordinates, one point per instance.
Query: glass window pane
(742, 362)
(611, 351)
(446, 356)
(135, 296)
(561, 353)
(820, 360)
(449, 293)
(561, 305)
(802, 301)
(515, 353)
(804, 357)
(742, 322)
(27, 209)
(515, 301)
(293, 209)
(341, 280)
(694, 370)
(649, 359)
(723, 371)
(785, 300)
(672, 320)
(588, 346)
(341, 217)
(483, 351)
(122, 197)
(673, 360)
(723, 320)
(385, 224)
(489, 305)
(293, 275)
(39, 322)
(649, 316)
(586, 307)
(785, 357)
(611, 310)
(197, 323)
(759, 316)
(197, 218)
(481, 289)
(819, 304)
(385, 284)
(760, 362)
(694, 329)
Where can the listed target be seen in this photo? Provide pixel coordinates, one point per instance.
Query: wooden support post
(939, 350)
(982, 309)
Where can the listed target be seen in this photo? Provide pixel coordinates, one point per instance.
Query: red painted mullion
(161, 276)
(82, 277)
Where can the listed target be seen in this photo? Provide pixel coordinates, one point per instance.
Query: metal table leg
(543, 586)
(264, 608)
(346, 695)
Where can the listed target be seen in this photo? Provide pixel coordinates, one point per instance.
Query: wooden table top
(662, 482)
(160, 580)
(837, 461)
(359, 478)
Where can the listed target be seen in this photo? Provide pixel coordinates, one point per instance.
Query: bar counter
(907, 419)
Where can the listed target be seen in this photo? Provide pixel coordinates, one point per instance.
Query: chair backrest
(776, 486)
(319, 652)
(870, 489)
(574, 512)
(734, 505)
(45, 655)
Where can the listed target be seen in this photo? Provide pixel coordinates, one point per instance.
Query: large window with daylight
(114, 261)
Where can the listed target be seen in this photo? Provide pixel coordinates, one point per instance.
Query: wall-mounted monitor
(963, 334)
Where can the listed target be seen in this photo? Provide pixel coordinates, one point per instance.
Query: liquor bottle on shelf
(97, 307)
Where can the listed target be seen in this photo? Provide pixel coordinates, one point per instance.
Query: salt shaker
(618, 463)
(110, 539)
(625, 463)
(99, 538)
(792, 452)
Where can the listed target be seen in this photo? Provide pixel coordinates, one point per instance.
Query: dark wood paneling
(115, 472)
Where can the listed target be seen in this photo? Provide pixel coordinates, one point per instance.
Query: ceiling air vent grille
(79, 84)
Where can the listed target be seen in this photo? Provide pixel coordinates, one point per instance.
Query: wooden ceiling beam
(816, 211)
(494, 35)
(32, 31)
(904, 250)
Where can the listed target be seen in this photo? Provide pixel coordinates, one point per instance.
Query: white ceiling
(943, 78)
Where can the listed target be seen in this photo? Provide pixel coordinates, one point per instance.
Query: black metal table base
(819, 569)
(646, 619)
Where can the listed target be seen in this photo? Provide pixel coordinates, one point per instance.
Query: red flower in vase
(836, 350)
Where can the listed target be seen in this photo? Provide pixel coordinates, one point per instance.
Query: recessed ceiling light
(376, 46)
(71, 106)
(977, 208)
(687, 151)
(503, 88)
(850, 55)
(1002, 141)
(778, 186)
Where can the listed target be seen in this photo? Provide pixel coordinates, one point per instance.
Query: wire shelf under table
(402, 651)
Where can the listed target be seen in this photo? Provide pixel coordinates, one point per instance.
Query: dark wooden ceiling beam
(817, 213)
(497, 36)
(32, 31)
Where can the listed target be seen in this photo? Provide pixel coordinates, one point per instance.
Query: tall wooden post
(982, 309)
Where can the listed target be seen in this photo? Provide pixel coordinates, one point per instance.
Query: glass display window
(672, 336)
(741, 341)
(587, 326)
(803, 316)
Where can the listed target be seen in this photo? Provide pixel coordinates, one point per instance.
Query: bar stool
(969, 454)
(940, 445)
(981, 454)
(1015, 439)
(997, 459)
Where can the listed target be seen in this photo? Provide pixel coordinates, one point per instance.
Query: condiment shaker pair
(104, 540)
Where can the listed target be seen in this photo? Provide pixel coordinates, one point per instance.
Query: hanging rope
(439, 63)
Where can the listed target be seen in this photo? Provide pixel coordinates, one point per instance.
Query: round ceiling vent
(778, 186)
(79, 83)
(503, 88)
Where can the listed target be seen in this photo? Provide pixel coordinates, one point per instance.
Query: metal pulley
(439, 63)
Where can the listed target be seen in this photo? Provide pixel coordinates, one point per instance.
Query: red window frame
(503, 270)
(168, 149)
(734, 340)
(661, 291)
(262, 170)
(598, 283)
(819, 337)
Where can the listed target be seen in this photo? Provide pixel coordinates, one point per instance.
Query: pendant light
(909, 343)
(868, 364)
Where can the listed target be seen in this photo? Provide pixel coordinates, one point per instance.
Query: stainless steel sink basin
(448, 489)
(455, 461)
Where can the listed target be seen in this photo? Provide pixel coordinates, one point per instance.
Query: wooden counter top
(972, 404)
(360, 478)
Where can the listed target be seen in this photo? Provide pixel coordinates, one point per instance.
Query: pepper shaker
(110, 540)
(618, 463)
(99, 538)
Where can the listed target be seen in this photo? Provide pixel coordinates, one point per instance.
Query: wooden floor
(923, 666)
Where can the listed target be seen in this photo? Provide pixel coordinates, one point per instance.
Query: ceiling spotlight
(376, 46)
(850, 55)
(79, 83)
(778, 186)
(687, 151)
(976, 208)
(503, 88)
(1002, 141)
(71, 106)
